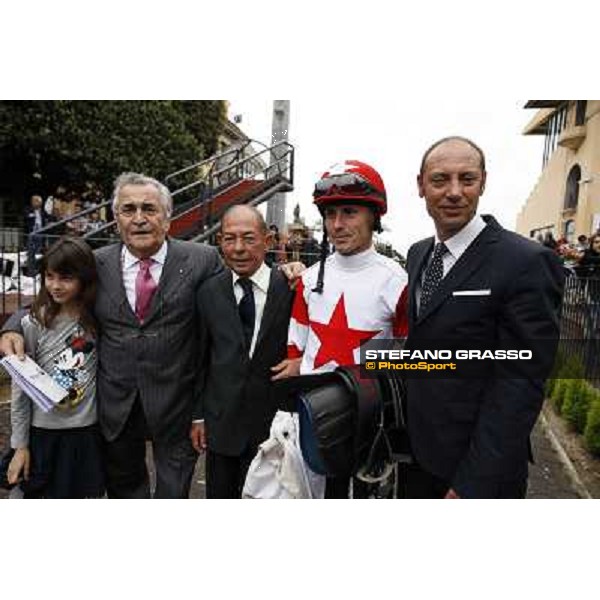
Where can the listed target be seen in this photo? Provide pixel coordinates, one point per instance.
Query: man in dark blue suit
(475, 282)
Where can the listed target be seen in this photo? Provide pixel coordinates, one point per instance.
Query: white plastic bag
(278, 469)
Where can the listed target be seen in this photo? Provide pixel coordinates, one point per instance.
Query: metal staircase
(235, 176)
(238, 175)
(201, 194)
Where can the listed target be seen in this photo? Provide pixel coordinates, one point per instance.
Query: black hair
(592, 239)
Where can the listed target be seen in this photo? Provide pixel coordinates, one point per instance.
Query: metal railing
(105, 232)
(222, 173)
(19, 282)
(230, 155)
(580, 323)
(56, 229)
(20, 265)
(278, 176)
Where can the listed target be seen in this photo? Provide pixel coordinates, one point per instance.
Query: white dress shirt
(37, 219)
(260, 286)
(456, 245)
(130, 265)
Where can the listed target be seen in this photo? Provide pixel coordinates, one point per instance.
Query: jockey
(351, 296)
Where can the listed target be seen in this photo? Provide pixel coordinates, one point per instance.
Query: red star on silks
(337, 339)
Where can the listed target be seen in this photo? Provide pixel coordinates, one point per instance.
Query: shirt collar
(460, 241)
(260, 278)
(129, 260)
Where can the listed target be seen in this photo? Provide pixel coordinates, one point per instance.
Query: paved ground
(548, 477)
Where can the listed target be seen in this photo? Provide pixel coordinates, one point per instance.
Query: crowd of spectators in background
(581, 258)
(41, 214)
(66, 202)
(297, 245)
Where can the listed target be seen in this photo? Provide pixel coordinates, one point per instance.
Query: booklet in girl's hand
(35, 382)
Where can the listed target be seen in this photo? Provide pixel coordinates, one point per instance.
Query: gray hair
(139, 179)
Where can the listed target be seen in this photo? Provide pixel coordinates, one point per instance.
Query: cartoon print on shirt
(68, 369)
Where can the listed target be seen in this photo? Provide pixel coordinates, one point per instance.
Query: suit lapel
(224, 293)
(228, 295)
(111, 271)
(417, 263)
(175, 270)
(276, 293)
(473, 257)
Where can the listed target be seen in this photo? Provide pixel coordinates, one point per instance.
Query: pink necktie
(145, 287)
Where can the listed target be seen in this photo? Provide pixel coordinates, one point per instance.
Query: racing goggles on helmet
(347, 184)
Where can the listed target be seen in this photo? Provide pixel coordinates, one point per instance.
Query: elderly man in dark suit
(244, 316)
(475, 282)
(148, 350)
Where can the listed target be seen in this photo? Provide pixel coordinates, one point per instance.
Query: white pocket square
(472, 293)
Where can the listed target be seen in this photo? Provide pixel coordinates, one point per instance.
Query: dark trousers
(418, 483)
(338, 488)
(34, 246)
(225, 475)
(125, 462)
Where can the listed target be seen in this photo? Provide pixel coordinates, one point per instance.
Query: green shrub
(549, 388)
(559, 361)
(558, 394)
(571, 367)
(591, 434)
(576, 403)
(571, 391)
(567, 367)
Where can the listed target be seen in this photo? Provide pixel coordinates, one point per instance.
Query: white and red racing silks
(364, 297)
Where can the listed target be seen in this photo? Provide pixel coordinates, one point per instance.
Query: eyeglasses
(348, 184)
(129, 210)
(246, 240)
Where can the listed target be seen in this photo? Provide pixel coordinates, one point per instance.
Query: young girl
(57, 453)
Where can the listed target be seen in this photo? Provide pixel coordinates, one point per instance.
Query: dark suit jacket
(236, 399)
(29, 219)
(474, 433)
(156, 361)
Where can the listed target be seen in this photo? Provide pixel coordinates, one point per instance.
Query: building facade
(566, 199)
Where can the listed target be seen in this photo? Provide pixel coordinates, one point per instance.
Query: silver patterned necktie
(433, 275)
